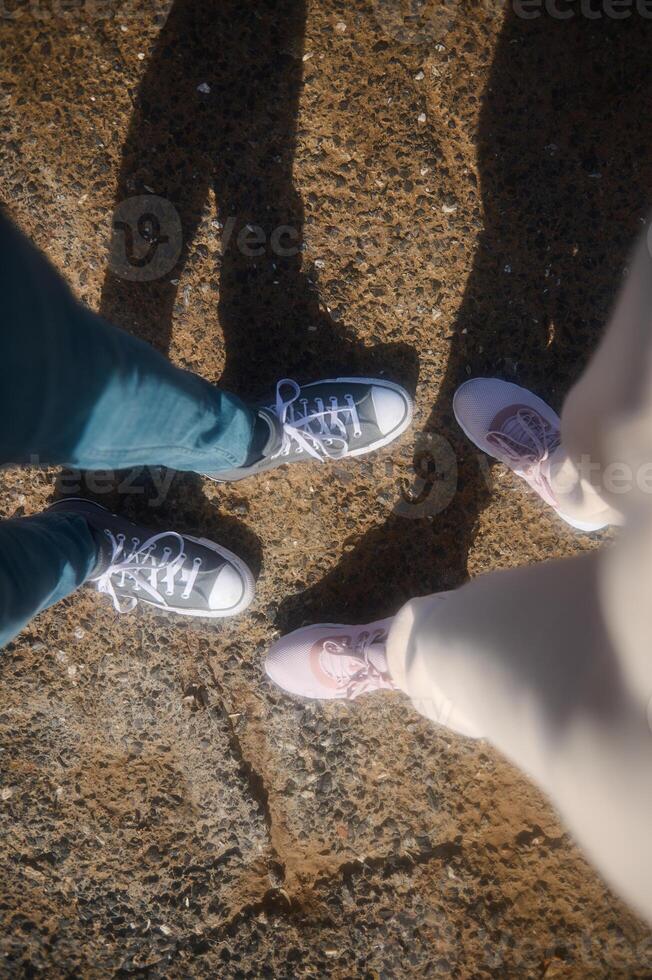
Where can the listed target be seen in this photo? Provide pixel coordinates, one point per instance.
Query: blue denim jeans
(79, 392)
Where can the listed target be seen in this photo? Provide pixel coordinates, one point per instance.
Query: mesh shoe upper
(328, 662)
(513, 425)
(484, 406)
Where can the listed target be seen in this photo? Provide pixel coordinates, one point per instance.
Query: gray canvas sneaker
(171, 571)
(325, 420)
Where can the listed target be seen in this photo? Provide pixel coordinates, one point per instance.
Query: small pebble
(141, 56)
(422, 118)
(204, 88)
(340, 27)
(419, 77)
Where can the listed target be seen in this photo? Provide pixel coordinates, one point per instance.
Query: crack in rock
(254, 780)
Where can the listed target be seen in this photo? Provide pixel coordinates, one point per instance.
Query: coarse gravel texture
(466, 188)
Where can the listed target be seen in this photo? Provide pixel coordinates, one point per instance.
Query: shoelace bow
(144, 569)
(528, 441)
(334, 661)
(298, 425)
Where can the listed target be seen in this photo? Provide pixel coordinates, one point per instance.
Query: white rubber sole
(547, 413)
(582, 525)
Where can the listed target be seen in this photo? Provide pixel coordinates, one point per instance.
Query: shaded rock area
(465, 186)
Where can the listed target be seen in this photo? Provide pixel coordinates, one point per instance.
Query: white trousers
(553, 663)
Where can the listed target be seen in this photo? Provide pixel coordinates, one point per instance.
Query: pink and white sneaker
(329, 661)
(516, 427)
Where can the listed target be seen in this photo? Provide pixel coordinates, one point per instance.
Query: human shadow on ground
(563, 143)
(217, 109)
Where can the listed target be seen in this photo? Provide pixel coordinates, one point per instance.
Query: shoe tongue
(515, 430)
(378, 657)
(104, 552)
(275, 431)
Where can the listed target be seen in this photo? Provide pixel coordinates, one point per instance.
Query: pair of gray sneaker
(192, 576)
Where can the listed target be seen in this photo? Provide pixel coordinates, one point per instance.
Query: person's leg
(551, 663)
(81, 392)
(42, 559)
(578, 491)
(613, 391)
(78, 391)
(527, 660)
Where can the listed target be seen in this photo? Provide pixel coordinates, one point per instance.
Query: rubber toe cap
(390, 407)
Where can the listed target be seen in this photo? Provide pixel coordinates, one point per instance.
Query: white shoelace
(528, 440)
(297, 424)
(144, 569)
(352, 670)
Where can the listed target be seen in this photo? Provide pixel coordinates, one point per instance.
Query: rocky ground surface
(465, 185)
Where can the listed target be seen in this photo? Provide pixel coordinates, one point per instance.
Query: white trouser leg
(553, 663)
